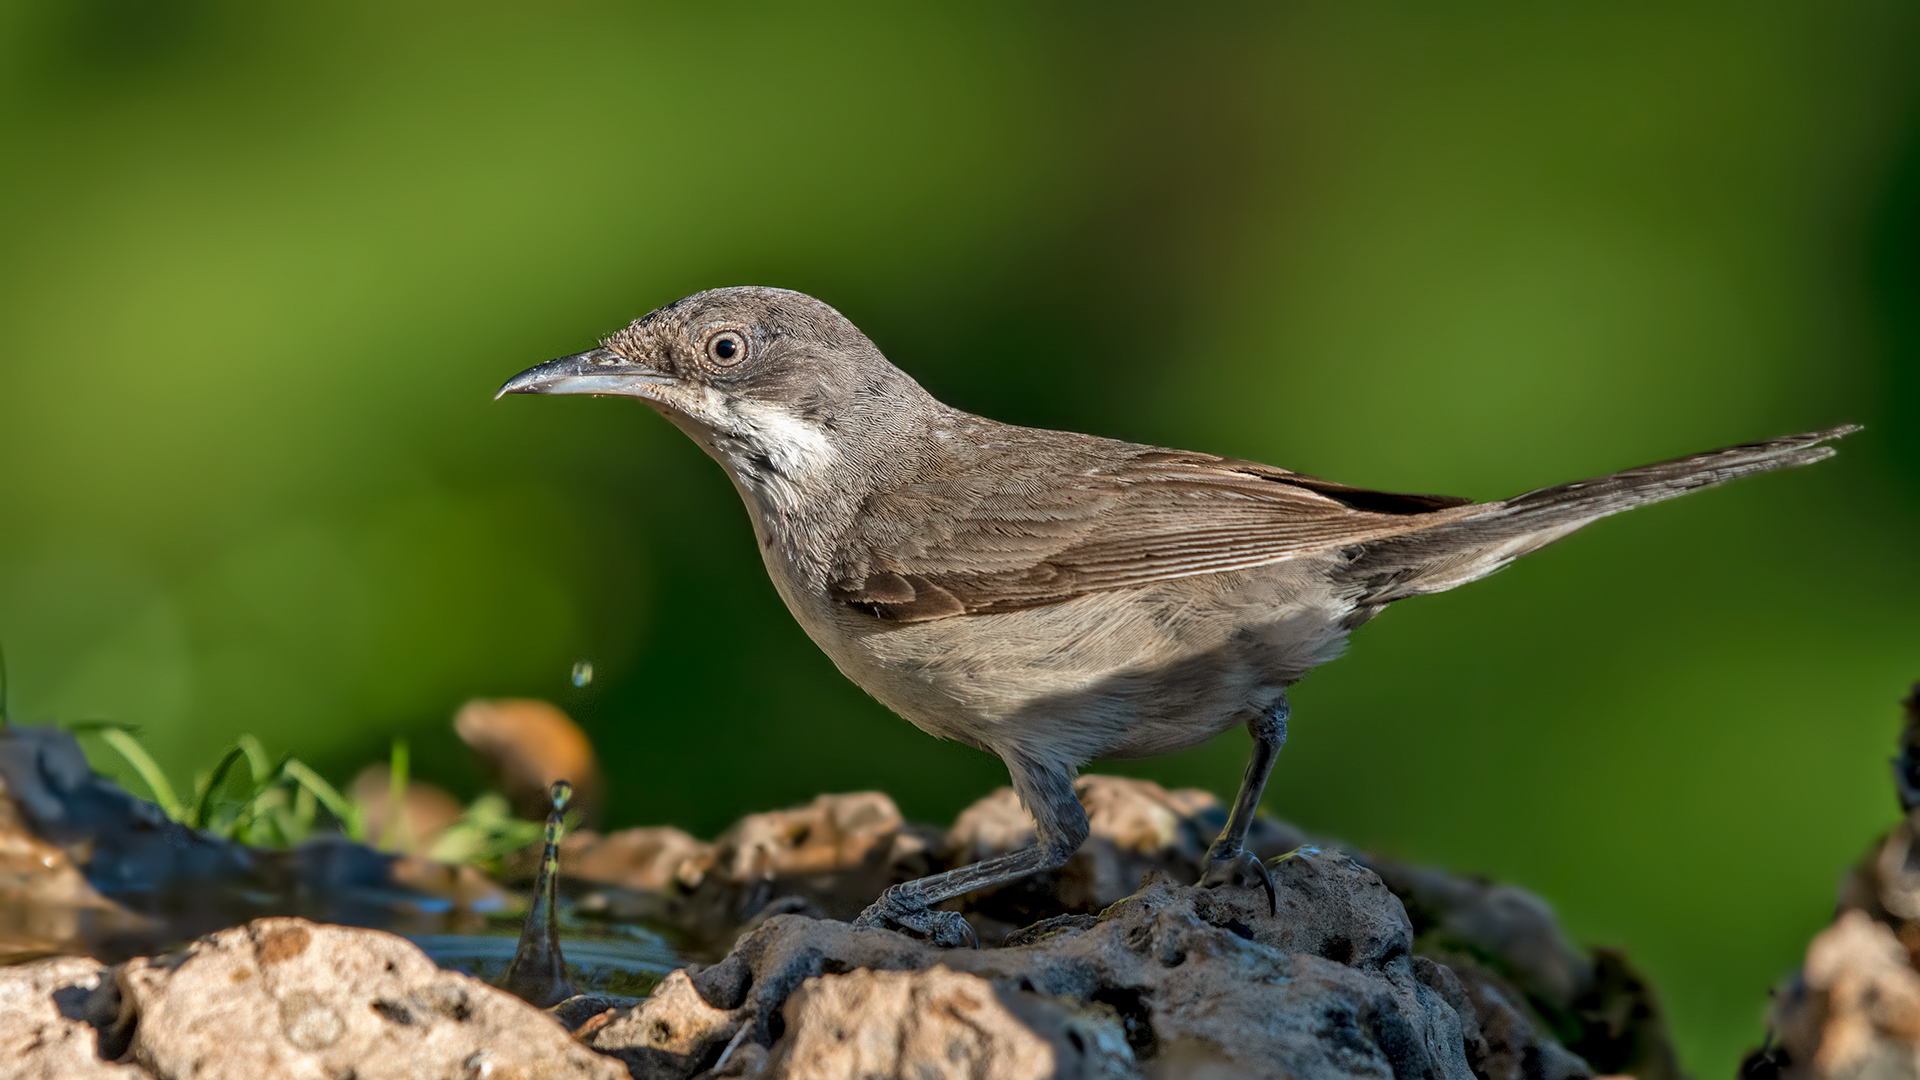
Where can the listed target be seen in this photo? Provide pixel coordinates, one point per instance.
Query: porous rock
(936, 1024)
(1135, 827)
(669, 1033)
(291, 999)
(649, 858)
(51, 1012)
(829, 859)
(1854, 1010)
(1171, 974)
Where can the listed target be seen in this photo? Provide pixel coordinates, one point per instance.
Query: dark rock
(132, 845)
(1170, 975)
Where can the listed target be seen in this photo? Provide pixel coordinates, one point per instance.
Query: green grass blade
(303, 808)
(204, 807)
(350, 815)
(129, 747)
(5, 687)
(257, 762)
(397, 832)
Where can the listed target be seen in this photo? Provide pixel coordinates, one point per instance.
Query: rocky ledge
(1110, 967)
(1172, 980)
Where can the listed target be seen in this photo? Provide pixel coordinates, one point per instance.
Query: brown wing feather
(1016, 532)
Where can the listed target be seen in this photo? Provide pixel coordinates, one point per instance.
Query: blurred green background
(265, 264)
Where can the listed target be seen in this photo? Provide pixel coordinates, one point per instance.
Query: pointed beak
(596, 371)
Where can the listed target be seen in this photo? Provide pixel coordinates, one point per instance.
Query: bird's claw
(1239, 867)
(942, 929)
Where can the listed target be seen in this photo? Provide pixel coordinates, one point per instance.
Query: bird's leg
(1228, 860)
(1060, 825)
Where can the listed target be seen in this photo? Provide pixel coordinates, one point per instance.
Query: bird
(1051, 597)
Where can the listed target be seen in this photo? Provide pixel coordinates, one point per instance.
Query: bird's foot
(1239, 867)
(942, 929)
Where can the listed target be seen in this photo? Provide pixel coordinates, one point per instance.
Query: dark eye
(726, 348)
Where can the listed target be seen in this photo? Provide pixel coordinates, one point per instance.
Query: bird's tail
(1485, 538)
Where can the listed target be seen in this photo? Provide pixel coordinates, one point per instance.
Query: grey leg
(1228, 860)
(1060, 824)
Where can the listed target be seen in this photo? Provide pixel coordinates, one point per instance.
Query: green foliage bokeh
(265, 264)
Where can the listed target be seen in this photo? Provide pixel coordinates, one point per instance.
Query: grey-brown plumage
(1052, 597)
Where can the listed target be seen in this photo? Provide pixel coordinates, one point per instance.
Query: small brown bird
(1051, 597)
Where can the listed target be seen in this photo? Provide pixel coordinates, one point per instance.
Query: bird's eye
(726, 348)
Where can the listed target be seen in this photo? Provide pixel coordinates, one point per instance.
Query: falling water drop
(582, 672)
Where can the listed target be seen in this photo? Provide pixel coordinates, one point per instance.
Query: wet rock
(87, 866)
(290, 998)
(46, 904)
(1530, 993)
(51, 1013)
(123, 843)
(526, 745)
(1170, 977)
(1112, 965)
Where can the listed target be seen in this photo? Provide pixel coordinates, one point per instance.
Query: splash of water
(538, 973)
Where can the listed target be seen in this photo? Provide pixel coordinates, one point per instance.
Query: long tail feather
(1489, 536)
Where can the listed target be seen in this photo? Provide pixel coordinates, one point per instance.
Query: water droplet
(583, 673)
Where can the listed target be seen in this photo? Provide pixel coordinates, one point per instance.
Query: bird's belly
(1126, 673)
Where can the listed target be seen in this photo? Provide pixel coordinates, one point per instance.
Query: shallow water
(624, 962)
(603, 957)
(87, 868)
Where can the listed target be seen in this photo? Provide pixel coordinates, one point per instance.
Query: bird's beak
(596, 371)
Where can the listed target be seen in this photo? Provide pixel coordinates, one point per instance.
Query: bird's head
(773, 383)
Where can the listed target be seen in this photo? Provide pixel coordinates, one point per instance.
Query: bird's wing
(1014, 532)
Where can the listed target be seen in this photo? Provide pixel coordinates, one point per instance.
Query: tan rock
(833, 832)
(828, 858)
(645, 858)
(672, 1033)
(44, 1033)
(527, 744)
(928, 1024)
(291, 999)
(1134, 826)
(1855, 1009)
